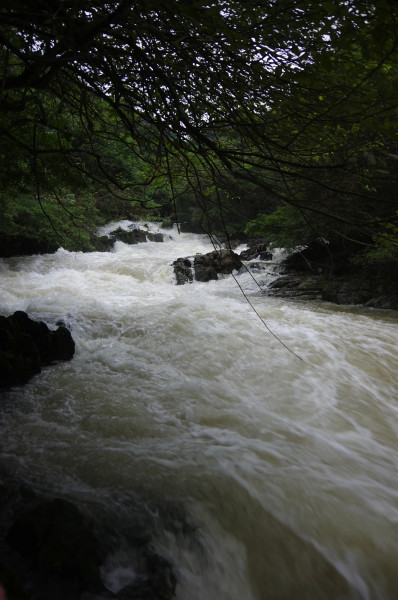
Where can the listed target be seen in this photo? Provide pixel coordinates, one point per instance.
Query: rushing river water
(263, 476)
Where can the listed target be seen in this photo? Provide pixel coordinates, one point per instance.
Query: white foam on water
(286, 467)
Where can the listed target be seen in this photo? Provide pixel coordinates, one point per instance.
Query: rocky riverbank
(315, 273)
(205, 267)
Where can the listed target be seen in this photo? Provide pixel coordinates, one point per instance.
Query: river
(262, 475)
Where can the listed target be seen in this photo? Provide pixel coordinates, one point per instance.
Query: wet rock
(158, 583)
(323, 271)
(54, 539)
(63, 346)
(19, 355)
(26, 345)
(183, 270)
(50, 549)
(155, 237)
(135, 236)
(205, 267)
(319, 257)
(256, 250)
(258, 266)
(374, 286)
(103, 243)
(208, 266)
(20, 245)
(296, 286)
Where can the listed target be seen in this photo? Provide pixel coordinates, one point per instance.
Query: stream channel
(261, 475)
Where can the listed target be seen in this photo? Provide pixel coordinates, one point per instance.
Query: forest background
(273, 119)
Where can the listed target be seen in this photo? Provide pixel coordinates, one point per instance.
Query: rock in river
(205, 267)
(27, 345)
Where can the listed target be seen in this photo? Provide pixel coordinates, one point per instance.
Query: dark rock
(158, 581)
(63, 345)
(19, 355)
(205, 267)
(183, 270)
(375, 285)
(102, 243)
(52, 550)
(10, 583)
(256, 250)
(54, 538)
(20, 245)
(319, 257)
(296, 286)
(26, 345)
(155, 237)
(135, 236)
(258, 267)
(208, 266)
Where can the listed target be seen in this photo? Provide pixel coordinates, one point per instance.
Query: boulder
(205, 267)
(296, 286)
(102, 243)
(158, 581)
(208, 266)
(256, 250)
(26, 345)
(183, 270)
(55, 541)
(22, 245)
(373, 285)
(51, 549)
(135, 236)
(319, 257)
(155, 237)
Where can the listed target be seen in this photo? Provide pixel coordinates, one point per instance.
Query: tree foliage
(297, 99)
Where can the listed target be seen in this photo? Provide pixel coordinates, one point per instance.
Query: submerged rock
(205, 267)
(54, 539)
(52, 550)
(27, 345)
(256, 250)
(158, 583)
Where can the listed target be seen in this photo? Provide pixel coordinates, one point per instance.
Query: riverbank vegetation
(273, 119)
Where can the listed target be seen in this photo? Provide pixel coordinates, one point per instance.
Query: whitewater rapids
(263, 476)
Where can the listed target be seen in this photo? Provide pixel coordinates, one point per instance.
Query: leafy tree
(286, 95)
